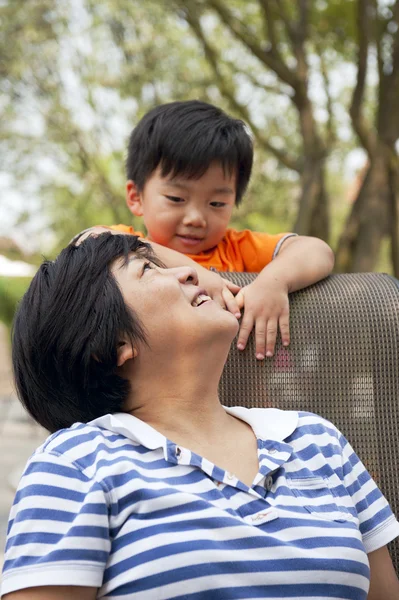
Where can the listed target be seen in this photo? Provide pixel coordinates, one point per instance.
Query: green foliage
(78, 76)
(11, 291)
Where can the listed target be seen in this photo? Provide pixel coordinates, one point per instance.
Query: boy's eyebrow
(219, 190)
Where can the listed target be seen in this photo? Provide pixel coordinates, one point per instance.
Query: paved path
(19, 437)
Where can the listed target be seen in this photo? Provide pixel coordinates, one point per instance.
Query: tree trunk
(313, 217)
(369, 220)
(313, 214)
(394, 185)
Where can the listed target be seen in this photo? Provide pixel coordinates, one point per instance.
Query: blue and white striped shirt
(115, 505)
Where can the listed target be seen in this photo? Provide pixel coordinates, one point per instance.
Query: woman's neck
(181, 401)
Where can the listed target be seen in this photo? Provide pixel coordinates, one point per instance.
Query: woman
(149, 488)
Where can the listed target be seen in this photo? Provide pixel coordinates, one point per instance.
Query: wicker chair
(342, 363)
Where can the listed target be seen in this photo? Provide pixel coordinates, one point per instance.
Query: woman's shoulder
(316, 423)
(78, 432)
(315, 431)
(80, 445)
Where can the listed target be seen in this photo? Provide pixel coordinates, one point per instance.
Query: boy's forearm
(172, 258)
(300, 262)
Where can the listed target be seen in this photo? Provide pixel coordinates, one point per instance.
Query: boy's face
(187, 215)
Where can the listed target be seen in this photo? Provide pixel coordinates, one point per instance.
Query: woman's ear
(125, 352)
(133, 199)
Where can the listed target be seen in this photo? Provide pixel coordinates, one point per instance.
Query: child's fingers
(260, 338)
(231, 303)
(233, 287)
(240, 299)
(284, 324)
(90, 232)
(245, 329)
(271, 336)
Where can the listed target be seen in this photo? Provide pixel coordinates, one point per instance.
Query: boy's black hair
(66, 333)
(184, 138)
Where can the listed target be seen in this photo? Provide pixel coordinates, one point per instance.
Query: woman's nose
(185, 274)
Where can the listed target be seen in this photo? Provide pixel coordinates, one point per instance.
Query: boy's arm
(221, 290)
(300, 262)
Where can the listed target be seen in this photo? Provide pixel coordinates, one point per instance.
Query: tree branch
(300, 37)
(241, 33)
(269, 22)
(331, 132)
(228, 92)
(392, 82)
(363, 131)
(303, 20)
(297, 35)
(286, 20)
(273, 89)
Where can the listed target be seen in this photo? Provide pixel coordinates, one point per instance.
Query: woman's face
(174, 311)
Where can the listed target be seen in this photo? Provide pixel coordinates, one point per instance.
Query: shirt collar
(132, 428)
(267, 424)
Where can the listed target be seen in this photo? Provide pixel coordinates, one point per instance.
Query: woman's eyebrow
(124, 261)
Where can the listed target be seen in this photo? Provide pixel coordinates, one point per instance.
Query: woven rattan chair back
(342, 363)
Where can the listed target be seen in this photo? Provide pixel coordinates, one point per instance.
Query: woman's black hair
(66, 333)
(184, 138)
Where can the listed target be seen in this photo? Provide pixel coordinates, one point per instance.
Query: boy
(188, 165)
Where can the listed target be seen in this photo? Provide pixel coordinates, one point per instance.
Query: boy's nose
(194, 217)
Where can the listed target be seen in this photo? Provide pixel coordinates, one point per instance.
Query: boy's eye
(174, 199)
(218, 204)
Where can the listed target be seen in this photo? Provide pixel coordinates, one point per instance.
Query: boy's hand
(266, 307)
(300, 262)
(221, 290)
(96, 230)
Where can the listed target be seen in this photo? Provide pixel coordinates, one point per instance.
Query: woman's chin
(225, 325)
(232, 323)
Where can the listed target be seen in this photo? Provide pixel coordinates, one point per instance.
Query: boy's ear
(133, 199)
(125, 352)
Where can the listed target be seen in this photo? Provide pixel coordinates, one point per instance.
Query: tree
(282, 37)
(285, 38)
(375, 212)
(78, 76)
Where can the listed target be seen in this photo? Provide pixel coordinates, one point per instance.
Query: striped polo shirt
(115, 505)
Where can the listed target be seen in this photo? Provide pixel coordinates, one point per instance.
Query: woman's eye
(146, 265)
(174, 199)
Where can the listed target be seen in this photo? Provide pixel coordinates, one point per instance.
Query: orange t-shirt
(240, 251)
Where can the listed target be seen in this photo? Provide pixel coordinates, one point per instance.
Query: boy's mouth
(189, 240)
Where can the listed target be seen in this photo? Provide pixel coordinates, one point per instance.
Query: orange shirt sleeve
(241, 251)
(238, 251)
(257, 249)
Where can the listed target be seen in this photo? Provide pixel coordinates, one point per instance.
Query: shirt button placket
(178, 453)
(268, 483)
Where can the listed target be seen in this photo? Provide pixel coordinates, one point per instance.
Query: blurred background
(317, 82)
